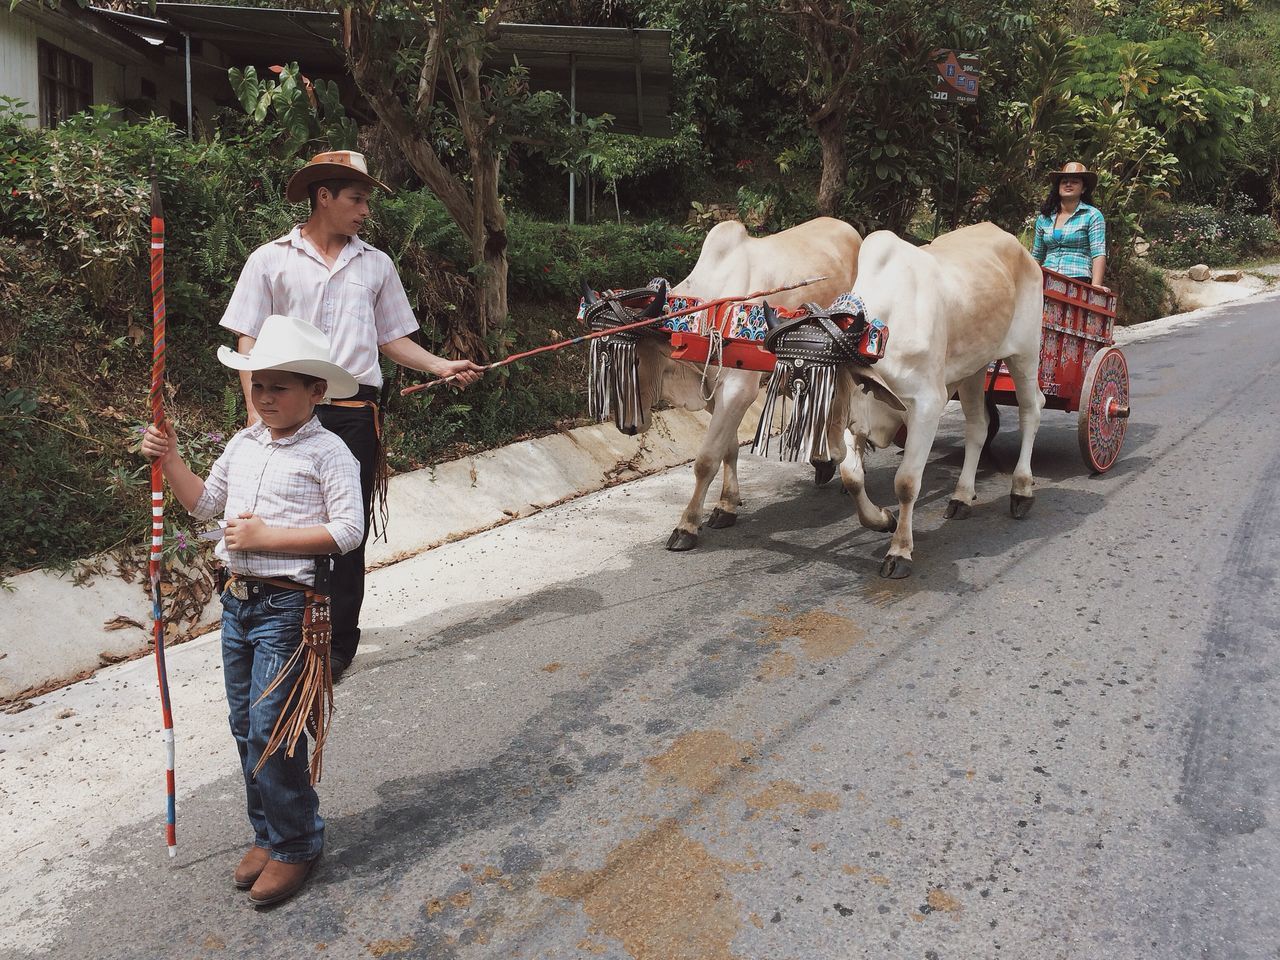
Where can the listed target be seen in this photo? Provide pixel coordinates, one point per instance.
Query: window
(66, 84)
(148, 88)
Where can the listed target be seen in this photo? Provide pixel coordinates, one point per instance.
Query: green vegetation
(782, 109)
(75, 317)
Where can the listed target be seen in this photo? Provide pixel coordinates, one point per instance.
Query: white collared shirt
(307, 479)
(359, 303)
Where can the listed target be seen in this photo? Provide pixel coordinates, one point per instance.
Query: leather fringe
(309, 705)
(804, 432)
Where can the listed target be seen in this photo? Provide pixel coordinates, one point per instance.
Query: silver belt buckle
(239, 589)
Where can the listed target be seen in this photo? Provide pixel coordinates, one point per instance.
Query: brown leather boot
(250, 866)
(279, 881)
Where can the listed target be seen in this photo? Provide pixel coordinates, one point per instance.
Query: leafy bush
(1183, 235)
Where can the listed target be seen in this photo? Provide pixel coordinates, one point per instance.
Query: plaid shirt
(359, 304)
(305, 480)
(1071, 249)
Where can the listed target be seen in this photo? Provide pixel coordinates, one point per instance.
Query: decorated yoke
(801, 348)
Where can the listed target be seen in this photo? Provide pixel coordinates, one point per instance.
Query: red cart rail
(1081, 369)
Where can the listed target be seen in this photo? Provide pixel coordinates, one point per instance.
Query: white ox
(732, 263)
(972, 296)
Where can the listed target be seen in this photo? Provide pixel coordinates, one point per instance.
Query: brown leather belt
(245, 587)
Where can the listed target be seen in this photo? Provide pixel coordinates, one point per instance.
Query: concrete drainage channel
(59, 628)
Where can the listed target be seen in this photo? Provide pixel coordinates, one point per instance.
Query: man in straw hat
(324, 273)
(288, 491)
(1071, 233)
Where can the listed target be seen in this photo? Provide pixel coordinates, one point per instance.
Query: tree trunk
(830, 130)
(475, 207)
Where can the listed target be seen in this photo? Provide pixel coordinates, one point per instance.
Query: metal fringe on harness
(810, 349)
(613, 380)
(804, 433)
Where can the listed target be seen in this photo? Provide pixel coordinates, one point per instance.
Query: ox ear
(869, 382)
(658, 305)
(589, 295)
(771, 320)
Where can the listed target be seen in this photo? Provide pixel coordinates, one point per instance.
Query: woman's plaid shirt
(305, 480)
(1071, 249)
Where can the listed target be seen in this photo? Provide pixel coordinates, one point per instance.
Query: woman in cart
(1071, 233)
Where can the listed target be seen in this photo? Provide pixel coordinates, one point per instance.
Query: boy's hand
(466, 371)
(156, 445)
(247, 533)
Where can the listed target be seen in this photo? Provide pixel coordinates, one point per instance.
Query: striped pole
(157, 505)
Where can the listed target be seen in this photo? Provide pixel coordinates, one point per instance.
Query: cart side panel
(1079, 319)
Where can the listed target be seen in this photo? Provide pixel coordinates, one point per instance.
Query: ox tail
(804, 433)
(613, 381)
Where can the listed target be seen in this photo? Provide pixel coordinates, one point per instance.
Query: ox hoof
(891, 525)
(958, 509)
(1019, 505)
(681, 540)
(823, 471)
(720, 519)
(895, 568)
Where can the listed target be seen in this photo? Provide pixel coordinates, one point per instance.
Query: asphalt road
(1058, 740)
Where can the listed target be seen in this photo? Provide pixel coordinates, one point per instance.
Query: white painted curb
(52, 630)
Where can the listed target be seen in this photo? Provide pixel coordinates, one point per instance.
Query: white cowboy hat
(330, 165)
(287, 343)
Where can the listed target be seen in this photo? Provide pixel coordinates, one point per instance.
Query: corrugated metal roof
(626, 73)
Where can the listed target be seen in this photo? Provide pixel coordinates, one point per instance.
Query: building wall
(18, 67)
(117, 71)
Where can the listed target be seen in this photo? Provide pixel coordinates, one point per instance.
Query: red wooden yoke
(1079, 319)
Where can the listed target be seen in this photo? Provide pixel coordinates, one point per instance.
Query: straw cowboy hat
(331, 165)
(1075, 169)
(287, 343)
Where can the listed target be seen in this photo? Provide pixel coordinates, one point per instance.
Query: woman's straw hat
(1075, 169)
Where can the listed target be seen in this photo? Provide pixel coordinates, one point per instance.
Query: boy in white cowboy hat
(288, 491)
(324, 273)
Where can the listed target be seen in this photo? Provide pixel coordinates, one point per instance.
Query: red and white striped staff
(157, 504)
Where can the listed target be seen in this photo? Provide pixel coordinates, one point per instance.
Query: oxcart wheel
(1104, 409)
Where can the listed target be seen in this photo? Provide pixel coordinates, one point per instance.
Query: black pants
(358, 430)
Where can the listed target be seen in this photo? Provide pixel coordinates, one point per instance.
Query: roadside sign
(957, 76)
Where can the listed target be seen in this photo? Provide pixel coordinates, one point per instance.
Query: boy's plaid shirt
(305, 480)
(1071, 249)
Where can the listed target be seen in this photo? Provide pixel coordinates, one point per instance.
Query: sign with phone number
(957, 76)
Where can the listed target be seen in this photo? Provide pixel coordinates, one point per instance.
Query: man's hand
(159, 446)
(247, 533)
(466, 372)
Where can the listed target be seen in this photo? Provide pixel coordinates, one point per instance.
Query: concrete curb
(53, 627)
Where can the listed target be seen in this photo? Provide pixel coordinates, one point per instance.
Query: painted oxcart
(1081, 368)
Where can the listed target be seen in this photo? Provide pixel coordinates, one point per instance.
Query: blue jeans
(258, 638)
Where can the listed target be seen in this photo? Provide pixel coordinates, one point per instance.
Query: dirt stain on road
(662, 895)
(784, 793)
(822, 635)
(942, 902)
(700, 760)
(778, 666)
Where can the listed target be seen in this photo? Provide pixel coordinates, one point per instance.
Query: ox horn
(658, 304)
(771, 320)
(589, 295)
